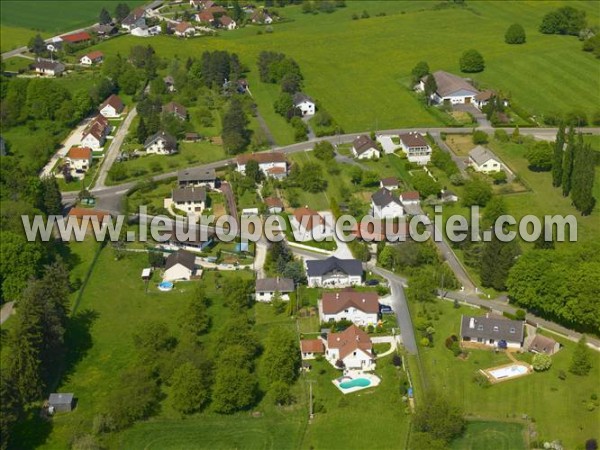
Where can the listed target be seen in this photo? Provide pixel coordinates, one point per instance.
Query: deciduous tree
(471, 61)
(189, 389)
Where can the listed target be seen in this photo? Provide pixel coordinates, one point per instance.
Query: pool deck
(374, 379)
(494, 380)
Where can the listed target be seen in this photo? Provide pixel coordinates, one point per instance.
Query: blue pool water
(165, 286)
(356, 382)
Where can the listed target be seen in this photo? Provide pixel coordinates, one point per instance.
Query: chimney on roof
(472, 323)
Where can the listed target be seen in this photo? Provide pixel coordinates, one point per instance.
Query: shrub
(576, 118)
(520, 314)
(481, 380)
(397, 360)
(501, 135)
(541, 362)
(425, 342)
(457, 179)
(562, 375)
(471, 61)
(480, 137)
(515, 34)
(450, 340)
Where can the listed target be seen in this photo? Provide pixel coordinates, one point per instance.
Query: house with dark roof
(451, 89)
(334, 272)
(410, 198)
(94, 135)
(350, 349)
(482, 159)
(390, 183)
(175, 109)
(180, 266)
(308, 225)
(46, 67)
(197, 177)
(310, 348)
(492, 331)
(272, 164)
(363, 147)
(112, 107)
(190, 199)
(189, 237)
(543, 344)
(161, 143)
(267, 287)
(135, 19)
(361, 308)
(304, 103)
(415, 147)
(386, 205)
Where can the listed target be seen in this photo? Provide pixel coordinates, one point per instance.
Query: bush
(281, 393)
(515, 34)
(480, 137)
(541, 362)
(520, 314)
(562, 375)
(425, 342)
(471, 61)
(397, 360)
(481, 380)
(576, 118)
(457, 179)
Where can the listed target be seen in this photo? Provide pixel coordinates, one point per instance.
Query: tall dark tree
(497, 258)
(10, 408)
(557, 163)
(37, 45)
(121, 11)
(430, 87)
(581, 362)
(104, 17)
(419, 71)
(142, 131)
(235, 134)
(568, 159)
(52, 199)
(582, 192)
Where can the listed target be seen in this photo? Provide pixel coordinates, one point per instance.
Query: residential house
(46, 67)
(228, 23)
(272, 164)
(304, 103)
(334, 272)
(205, 17)
(361, 308)
(112, 107)
(274, 205)
(135, 19)
(410, 198)
(492, 331)
(191, 237)
(161, 143)
(309, 225)
(310, 348)
(485, 97)
(61, 402)
(180, 266)
(391, 183)
(79, 159)
(382, 231)
(543, 344)
(77, 216)
(175, 109)
(94, 135)
(197, 177)
(201, 4)
(267, 287)
(384, 204)
(106, 30)
(55, 44)
(190, 199)
(416, 147)
(448, 196)
(77, 38)
(451, 89)
(141, 31)
(169, 83)
(94, 57)
(261, 16)
(482, 159)
(350, 349)
(363, 147)
(184, 29)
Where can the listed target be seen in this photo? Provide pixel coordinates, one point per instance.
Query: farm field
(557, 406)
(363, 100)
(491, 436)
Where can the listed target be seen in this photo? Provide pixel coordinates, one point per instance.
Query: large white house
(361, 308)
(482, 159)
(363, 147)
(112, 107)
(267, 287)
(272, 164)
(334, 272)
(95, 133)
(492, 331)
(184, 29)
(180, 266)
(92, 58)
(161, 143)
(385, 205)
(135, 19)
(350, 349)
(189, 199)
(79, 159)
(197, 177)
(451, 89)
(304, 103)
(308, 225)
(46, 67)
(416, 148)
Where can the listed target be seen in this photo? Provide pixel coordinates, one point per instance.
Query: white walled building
(415, 147)
(334, 272)
(267, 287)
(361, 308)
(384, 205)
(351, 349)
(483, 160)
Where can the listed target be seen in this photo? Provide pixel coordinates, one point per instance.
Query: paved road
(74, 139)
(113, 149)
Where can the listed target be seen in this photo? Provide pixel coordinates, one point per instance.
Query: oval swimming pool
(165, 286)
(356, 382)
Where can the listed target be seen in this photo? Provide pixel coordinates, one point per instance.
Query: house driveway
(387, 144)
(476, 113)
(392, 340)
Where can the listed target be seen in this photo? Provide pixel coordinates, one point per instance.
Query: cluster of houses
(413, 144)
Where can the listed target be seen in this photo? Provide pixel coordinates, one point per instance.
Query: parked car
(385, 309)
(372, 282)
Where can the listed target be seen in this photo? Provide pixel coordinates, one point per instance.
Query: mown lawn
(491, 436)
(558, 407)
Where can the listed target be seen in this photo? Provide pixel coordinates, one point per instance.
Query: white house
(416, 148)
(410, 198)
(386, 205)
(390, 183)
(267, 287)
(112, 107)
(334, 272)
(351, 349)
(189, 199)
(361, 308)
(79, 159)
(492, 331)
(482, 159)
(451, 89)
(448, 196)
(161, 143)
(272, 164)
(180, 266)
(184, 29)
(197, 177)
(228, 23)
(46, 67)
(95, 133)
(141, 31)
(363, 147)
(135, 19)
(310, 348)
(55, 44)
(94, 57)
(309, 225)
(304, 103)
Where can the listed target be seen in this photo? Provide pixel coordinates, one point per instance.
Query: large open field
(359, 69)
(491, 436)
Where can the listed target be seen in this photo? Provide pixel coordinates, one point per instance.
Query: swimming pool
(165, 286)
(355, 382)
(508, 372)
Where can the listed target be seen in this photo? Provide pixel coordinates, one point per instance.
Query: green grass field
(491, 436)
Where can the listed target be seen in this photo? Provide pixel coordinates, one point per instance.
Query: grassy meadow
(491, 436)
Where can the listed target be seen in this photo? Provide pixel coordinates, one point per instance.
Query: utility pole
(310, 401)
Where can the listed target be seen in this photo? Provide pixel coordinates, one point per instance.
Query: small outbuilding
(61, 402)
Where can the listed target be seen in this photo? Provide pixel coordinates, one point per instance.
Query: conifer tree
(583, 178)
(558, 156)
(580, 362)
(567, 167)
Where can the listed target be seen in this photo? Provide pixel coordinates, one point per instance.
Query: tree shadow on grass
(31, 431)
(78, 340)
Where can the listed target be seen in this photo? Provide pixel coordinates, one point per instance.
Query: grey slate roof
(170, 141)
(283, 285)
(384, 197)
(300, 97)
(44, 64)
(189, 194)
(363, 143)
(60, 399)
(496, 328)
(448, 83)
(317, 268)
(482, 155)
(198, 174)
(183, 257)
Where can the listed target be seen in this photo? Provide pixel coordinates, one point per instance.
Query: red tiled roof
(97, 54)
(226, 20)
(390, 181)
(77, 37)
(85, 212)
(273, 202)
(183, 26)
(334, 302)
(314, 219)
(413, 140)
(349, 340)
(410, 195)
(114, 101)
(80, 153)
(312, 346)
(261, 158)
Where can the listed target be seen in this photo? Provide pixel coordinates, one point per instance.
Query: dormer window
(496, 328)
(480, 327)
(513, 330)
